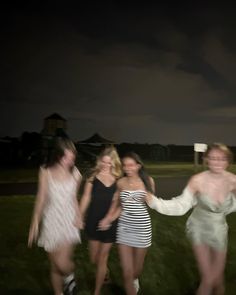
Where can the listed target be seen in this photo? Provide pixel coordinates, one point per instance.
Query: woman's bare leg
(203, 256)
(139, 255)
(218, 267)
(94, 248)
(56, 277)
(102, 266)
(61, 265)
(127, 264)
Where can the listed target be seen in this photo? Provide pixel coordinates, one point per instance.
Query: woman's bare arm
(114, 211)
(39, 205)
(78, 217)
(86, 197)
(178, 205)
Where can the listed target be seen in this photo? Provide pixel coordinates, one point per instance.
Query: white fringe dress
(59, 214)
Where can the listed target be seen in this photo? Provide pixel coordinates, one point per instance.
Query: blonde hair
(115, 159)
(220, 147)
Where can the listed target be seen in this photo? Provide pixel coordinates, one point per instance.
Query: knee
(64, 267)
(102, 259)
(208, 281)
(128, 274)
(218, 280)
(93, 258)
(56, 268)
(138, 271)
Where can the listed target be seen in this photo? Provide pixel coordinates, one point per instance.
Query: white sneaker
(136, 285)
(70, 287)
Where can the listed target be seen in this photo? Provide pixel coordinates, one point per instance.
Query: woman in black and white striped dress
(134, 226)
(134, 231)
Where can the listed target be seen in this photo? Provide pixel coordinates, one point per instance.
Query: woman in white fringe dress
(57, 211)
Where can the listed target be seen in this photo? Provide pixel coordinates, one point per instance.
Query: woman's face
(106, 164)
(68, 160)
(130, 166)
(217, 161)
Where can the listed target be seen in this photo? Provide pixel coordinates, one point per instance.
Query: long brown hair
(142, 171)
(58, 151)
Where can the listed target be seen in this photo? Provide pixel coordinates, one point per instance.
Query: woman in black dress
(95, 203)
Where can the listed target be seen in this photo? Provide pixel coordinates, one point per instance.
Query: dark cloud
(141, 73)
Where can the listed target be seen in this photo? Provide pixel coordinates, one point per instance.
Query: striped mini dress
(59, 214)
(134, 225)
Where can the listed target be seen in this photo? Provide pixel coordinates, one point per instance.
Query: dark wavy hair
(58, 151)
(142, 172)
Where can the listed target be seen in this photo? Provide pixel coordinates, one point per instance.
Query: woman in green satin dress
(212, 193)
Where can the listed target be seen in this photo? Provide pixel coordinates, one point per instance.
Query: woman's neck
(215, 175)
(104, 172)
(62, 168)
(134, 178)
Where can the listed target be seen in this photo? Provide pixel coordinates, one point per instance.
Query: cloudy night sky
(133, 73)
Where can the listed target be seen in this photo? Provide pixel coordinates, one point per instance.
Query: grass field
(169, 268)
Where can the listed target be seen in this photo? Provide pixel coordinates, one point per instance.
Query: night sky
(133, 73)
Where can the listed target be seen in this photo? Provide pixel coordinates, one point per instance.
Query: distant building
(52, 124)
(91, 147)
(96, 139)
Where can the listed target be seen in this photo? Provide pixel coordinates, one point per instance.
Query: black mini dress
(101, 199)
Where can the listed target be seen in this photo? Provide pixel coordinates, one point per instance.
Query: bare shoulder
(196, 178)
(41, 168)
(43, 177)
(90, 179)
(151, 180)
(43, 172)
(195, 181)
(77, 173)
(231, 177)
(121, 183)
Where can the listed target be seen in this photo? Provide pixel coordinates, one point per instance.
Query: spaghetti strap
(49, 175)
(76, 173)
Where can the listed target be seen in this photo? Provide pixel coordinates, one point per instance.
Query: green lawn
(169, 269)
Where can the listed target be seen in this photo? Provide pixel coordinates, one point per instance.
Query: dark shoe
(107, 278)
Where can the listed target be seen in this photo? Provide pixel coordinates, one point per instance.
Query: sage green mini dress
(207, 223)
